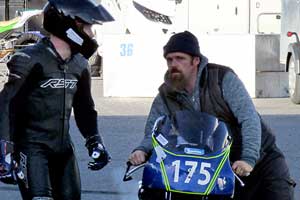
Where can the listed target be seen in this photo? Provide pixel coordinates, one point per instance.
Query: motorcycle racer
(45, 82)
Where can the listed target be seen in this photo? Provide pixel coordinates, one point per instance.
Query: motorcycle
(190, 159)
(11, 38)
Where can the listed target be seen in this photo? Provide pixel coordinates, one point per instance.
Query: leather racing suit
(36, 105)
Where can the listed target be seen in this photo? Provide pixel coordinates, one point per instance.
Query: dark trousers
(270, 180)
(49, 174)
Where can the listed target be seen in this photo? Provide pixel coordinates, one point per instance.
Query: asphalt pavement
(121, 122)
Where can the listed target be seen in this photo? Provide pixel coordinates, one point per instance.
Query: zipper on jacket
(64, 67)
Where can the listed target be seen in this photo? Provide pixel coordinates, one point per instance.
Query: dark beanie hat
(184, 42)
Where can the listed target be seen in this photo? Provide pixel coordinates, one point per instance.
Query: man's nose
(172, 63)
(88, 30)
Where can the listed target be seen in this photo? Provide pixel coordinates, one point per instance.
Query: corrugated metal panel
(2, 11)
(271, 84)
(267, 53)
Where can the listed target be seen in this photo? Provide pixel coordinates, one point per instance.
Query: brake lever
(129, 172)
(239, 179)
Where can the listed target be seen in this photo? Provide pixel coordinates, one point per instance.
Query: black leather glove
(98, 152)
(9, 171)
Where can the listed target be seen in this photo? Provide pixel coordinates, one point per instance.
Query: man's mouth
(173, 71)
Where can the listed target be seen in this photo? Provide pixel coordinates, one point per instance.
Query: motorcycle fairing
(8, 25)
(162, 175)
(191, 158)
(18, 21)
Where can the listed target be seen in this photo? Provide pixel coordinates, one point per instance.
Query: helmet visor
(86, 10)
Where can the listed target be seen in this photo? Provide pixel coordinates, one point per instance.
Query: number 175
(193, 166)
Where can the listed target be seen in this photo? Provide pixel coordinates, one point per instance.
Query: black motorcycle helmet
(61, 18)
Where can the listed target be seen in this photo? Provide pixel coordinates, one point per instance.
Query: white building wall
(264, 16)
(226, 31)
(218, 16)
(134, 65)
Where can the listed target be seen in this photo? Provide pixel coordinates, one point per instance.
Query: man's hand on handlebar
(137, 157)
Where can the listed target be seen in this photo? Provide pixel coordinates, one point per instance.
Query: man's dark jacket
(37, 100)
